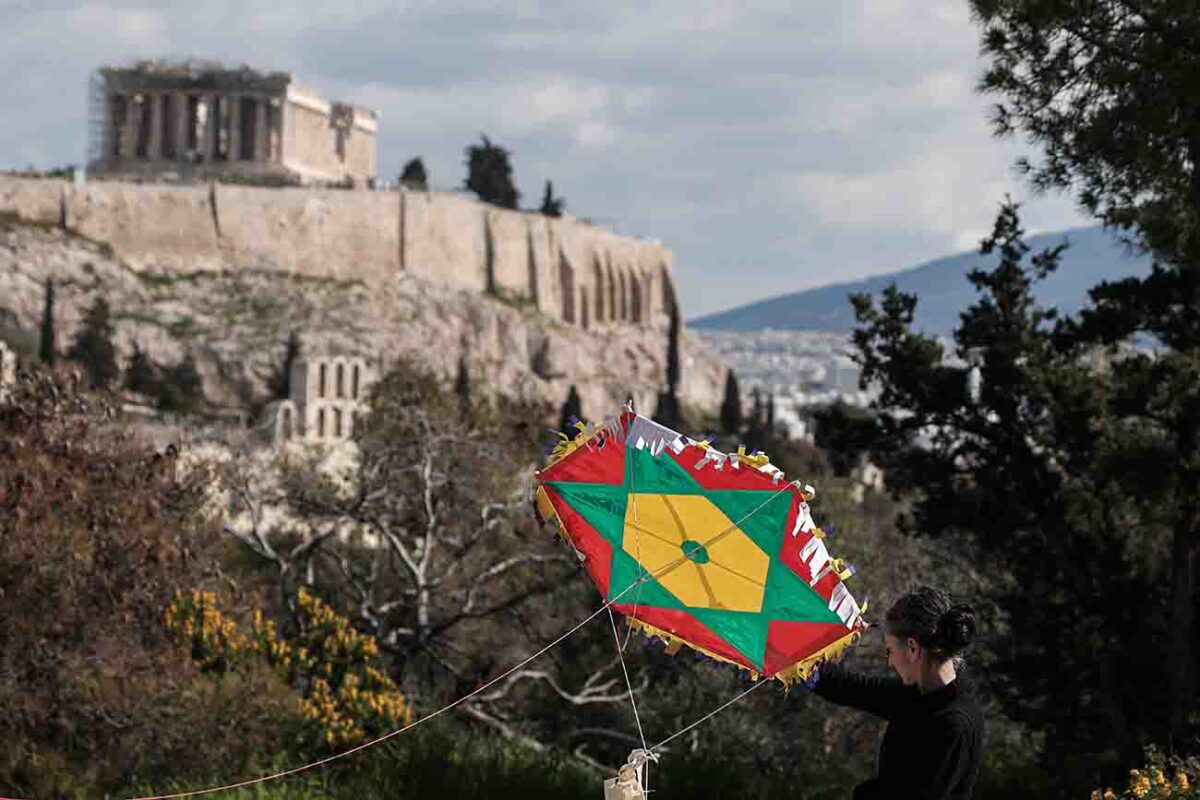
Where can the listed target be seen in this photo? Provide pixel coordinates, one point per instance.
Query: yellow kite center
(662, 532)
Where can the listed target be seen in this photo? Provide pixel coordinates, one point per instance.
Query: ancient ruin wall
(153, 227)
(320, 232)
(569, 269)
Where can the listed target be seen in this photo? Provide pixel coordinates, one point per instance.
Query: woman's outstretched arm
(882, 697)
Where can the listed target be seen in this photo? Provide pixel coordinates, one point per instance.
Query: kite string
(707, 716)
(373, 742)
(628, 684)
(606, 606)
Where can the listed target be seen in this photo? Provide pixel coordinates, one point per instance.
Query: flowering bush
(344, 695)
(1153, 781)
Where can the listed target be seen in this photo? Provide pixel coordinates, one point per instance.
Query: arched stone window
(321, 423)
(341, 379)
(321, 376)
(337, 423)
(583, 305)
(354, 377)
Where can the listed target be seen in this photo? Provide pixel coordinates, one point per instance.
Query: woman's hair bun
(955, 629)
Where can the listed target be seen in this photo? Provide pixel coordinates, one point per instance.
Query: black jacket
(934, 741)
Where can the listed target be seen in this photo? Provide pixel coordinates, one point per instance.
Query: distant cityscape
(801, 370)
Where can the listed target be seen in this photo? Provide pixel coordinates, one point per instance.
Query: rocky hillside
(236, 325)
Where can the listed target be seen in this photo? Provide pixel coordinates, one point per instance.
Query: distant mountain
(941, 287)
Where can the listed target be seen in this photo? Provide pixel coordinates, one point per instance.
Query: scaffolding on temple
(97, 118)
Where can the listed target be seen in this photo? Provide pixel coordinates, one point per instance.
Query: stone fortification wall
(320, 232)
(568, 269)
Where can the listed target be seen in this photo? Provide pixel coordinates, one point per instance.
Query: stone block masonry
(567, 269)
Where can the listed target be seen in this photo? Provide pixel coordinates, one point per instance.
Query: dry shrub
(95, 535)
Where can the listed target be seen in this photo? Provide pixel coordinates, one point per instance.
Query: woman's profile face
(904, 656)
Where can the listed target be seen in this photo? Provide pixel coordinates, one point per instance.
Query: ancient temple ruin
(204, 120)
(325, 397)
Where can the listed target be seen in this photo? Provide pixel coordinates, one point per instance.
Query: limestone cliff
(236, 322)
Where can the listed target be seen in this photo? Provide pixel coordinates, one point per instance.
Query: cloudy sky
(772, 145)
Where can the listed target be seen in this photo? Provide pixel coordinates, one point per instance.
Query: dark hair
(926, 614)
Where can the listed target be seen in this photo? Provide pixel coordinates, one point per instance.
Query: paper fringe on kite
(800, 672)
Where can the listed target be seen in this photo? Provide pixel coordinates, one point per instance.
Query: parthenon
(205, 120)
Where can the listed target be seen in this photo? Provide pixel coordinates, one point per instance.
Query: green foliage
(731, 406)
(413, 176)
(1103, 91)
(141, 375)
(845, 433)
(570, 412)
(551, 206)
(1161, 777)
(489, 174)
(440, 759)
(97, 534)
(47, 349)
(93, 346)
(180, 388)
(1050, 487)
(344, 697)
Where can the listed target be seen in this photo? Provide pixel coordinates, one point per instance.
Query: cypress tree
(47, 347)
(280, 382)
(93, 346)
(141, 375)
(668, 412)
(571, 410)
(551, 206)
(462, 386)
(731, 406)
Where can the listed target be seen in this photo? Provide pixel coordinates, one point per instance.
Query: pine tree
(141, 375)
(570, 413)
(93, 346)
(731, 406)
(47, 348)
(489, 174)
(414, 176)
(1102, 90)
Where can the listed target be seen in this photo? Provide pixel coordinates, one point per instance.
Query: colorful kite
(697, 547)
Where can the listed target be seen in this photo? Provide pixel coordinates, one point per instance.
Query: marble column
(129, 134)
(113, 127)
(154, 146)
(208, 150)
(235, 127)
(260, 129)
(182, 102)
